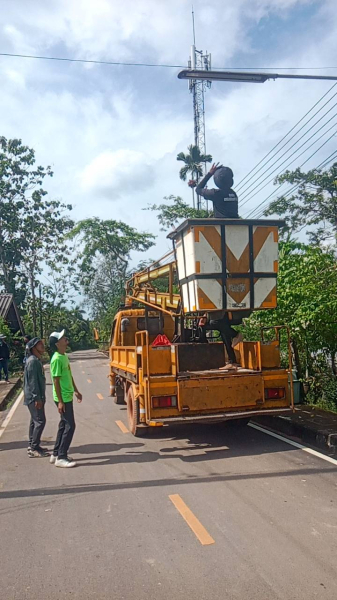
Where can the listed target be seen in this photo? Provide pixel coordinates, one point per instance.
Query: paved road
(111, 528)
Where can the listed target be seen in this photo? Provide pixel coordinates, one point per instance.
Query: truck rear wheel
(133, 414)
(119, 398)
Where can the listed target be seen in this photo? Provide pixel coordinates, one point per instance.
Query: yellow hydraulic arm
(140, 287)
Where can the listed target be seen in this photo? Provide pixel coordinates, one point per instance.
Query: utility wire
(290, 191)
(248, 196)
(326, 161)
(324, 164)
(131, 64)
(258, 186)
(313, 154)
(292, 146)
(295, 187)
(239, 186)
(284, 137)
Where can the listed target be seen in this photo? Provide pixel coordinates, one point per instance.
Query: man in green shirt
(64, 388)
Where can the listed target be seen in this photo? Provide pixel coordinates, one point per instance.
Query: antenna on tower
(199, 61)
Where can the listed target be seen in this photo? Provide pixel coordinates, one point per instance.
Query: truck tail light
(274, 393)
(164, 401)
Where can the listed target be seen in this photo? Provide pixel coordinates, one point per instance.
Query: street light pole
(246, 76)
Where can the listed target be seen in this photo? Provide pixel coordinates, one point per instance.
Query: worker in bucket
(225, 200)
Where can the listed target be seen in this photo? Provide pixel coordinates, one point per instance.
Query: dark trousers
(65, 431)
(36, 425)
(227, 334)
(4, 367)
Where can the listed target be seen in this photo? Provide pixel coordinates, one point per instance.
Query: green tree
(193, 164)
(193, 161)
(306, 302)
(170, 215)
(104, 262)
(312, 205)
(32, 227)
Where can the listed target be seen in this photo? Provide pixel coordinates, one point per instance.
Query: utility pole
(199, 61)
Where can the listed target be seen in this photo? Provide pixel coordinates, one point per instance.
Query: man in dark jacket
(4, 357)
(35, 397)
(225, 200)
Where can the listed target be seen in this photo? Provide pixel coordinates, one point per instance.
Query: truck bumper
(221, 416)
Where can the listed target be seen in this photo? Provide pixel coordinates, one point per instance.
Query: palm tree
(193, 163)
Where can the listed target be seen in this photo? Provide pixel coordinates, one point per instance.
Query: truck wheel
(119, 397)
(133, 414)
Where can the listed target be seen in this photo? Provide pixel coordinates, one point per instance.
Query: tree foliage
(103, 262)
(32, 227)
(313, 204)
(193, 162)
(170, 215)
(307, 304)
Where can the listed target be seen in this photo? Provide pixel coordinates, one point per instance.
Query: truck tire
(119, 398)
(133, 415)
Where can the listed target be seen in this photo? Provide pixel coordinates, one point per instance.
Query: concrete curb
(11, 392)
(318, 438)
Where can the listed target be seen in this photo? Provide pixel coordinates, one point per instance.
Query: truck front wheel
(133, 414)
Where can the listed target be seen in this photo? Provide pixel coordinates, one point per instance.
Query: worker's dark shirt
(4, 351)
(34, 381)
(225, 202)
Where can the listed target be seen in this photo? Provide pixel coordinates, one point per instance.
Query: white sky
(111, 134)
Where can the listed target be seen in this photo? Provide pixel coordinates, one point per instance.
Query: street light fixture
(244, 76)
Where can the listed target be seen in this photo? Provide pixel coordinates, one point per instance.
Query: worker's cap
(33, 343)
(223, 177)
(56, 336)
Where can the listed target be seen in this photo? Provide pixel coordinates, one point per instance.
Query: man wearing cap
(64, 388)
(225, 200)
(35, 396)
(4, 357)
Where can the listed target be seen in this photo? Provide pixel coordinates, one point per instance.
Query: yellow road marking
(122, 426)
(99, 396)
(89, 380)
(199, 530)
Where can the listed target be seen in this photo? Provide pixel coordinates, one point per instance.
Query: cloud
(112, 134)
(114, 174)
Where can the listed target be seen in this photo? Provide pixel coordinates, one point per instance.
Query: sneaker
(65, 463)
(40, 449)
(37, 453)
(53, 459)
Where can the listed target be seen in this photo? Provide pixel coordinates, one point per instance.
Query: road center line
(99, 396)
(295, 444)
(122, 426)
(199, 530)
(10, 414)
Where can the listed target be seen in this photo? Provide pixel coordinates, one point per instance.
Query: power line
(323, 164)
(287, 152)
(292, 129)
(313, 154)
(295, 187)
(251, 195)
(334, 152)
(140, 64)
